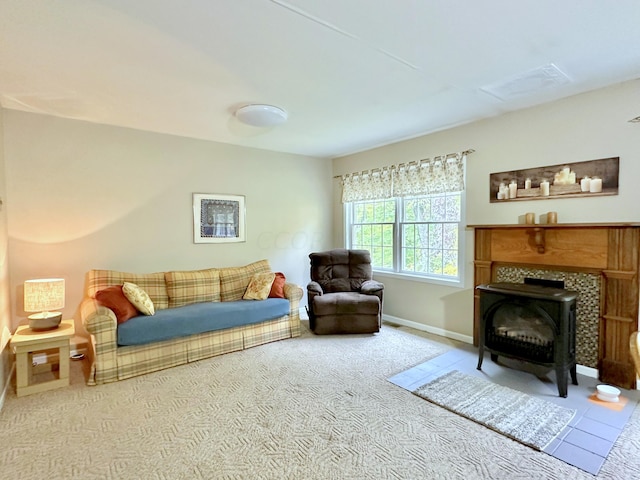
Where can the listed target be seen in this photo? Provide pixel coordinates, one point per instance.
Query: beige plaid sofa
(110, 362)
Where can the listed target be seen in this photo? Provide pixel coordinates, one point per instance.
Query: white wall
(86, 196)
(5, 302)
(584, 127)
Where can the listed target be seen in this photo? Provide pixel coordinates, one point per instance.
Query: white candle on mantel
(544, 188)
(527, 184)
(585, 184)
(595, 185)
(513, 189)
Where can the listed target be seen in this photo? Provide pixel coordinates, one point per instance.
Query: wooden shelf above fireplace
(558, 225)
(611, 250)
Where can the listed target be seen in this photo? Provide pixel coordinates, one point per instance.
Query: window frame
(396, 273)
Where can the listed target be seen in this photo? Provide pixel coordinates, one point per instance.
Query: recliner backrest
(341, 270)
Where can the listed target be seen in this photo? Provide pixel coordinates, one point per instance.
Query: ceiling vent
(528, 83)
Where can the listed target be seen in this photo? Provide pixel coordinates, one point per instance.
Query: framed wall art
(579, 179)
(218, 218)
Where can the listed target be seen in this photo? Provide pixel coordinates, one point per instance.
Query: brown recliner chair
(342, 297)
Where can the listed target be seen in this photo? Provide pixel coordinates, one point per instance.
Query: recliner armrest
(314, 287)
(313, 290)
(371, 287)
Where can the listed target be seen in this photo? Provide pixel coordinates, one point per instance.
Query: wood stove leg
(561, 377)
(574, 376)
(480, 356)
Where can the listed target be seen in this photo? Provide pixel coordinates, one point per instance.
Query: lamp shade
(259, 115)
(43, 295)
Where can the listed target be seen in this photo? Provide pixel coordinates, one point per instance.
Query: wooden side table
(25, 342)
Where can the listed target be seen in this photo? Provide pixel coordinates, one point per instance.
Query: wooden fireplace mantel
(608, 249)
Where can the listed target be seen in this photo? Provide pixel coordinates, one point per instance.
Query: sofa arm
(293, 293)
(101, 323)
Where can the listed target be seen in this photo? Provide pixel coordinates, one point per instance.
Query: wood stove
(534, 322)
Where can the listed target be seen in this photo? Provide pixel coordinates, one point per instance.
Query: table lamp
(43, 295)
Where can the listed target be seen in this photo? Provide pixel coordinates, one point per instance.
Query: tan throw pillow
(259, 286)
(139, 298)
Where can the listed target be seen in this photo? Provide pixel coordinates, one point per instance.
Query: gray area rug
(529, 420)
(312, 408)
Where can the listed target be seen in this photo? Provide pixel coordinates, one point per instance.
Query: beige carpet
(306, 408)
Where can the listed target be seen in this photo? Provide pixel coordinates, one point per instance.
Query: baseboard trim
(587, 371)
(426, 328)
(581, 369)
(6, 387)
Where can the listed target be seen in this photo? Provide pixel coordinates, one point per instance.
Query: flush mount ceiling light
(259, 115)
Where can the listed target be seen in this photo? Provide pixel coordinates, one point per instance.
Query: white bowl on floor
(607, 393)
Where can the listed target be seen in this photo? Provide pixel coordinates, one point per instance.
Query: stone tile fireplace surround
(600, 261)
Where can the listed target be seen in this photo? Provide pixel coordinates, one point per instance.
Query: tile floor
(584, 443)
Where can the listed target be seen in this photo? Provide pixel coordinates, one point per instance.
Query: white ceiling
(352, 74)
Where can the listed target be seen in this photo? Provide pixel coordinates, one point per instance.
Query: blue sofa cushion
(197, 318)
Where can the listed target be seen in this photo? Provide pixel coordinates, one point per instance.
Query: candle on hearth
(544, 188)
(513, 189)
(585, 184)
(527, 183)
(595, 186)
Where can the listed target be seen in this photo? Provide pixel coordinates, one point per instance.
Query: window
(418, 236)
(409, 216)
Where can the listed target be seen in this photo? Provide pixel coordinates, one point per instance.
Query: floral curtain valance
(367, 185)
(437, 175)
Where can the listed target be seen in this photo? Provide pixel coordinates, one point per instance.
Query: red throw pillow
(277, 287)
(113, 298)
